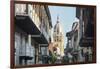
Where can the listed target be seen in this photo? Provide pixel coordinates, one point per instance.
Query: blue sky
(66, 17)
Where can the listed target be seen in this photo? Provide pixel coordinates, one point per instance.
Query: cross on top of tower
(58, 19)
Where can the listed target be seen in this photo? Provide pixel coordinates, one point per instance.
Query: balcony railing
(27, 9)
(27, 51)
(20, 9)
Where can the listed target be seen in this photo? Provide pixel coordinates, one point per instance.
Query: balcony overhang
(40, 39)
(86, 42)
(26, 24)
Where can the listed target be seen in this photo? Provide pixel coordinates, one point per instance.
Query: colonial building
(86, 26)
(32, 34)
(58, 38)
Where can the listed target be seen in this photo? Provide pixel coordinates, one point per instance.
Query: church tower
(58, 37)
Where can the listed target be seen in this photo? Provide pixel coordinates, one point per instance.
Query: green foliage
(53, 58)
